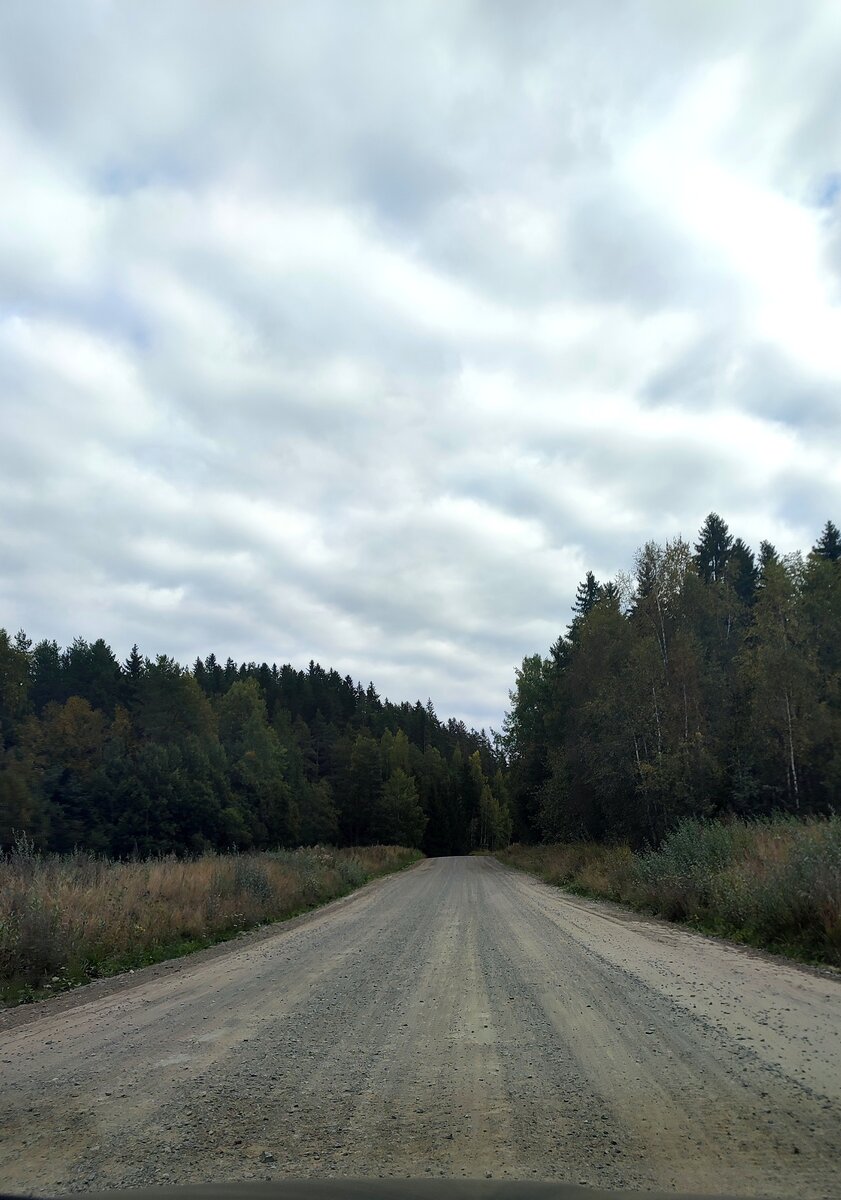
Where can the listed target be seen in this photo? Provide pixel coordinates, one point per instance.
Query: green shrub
(773, 882)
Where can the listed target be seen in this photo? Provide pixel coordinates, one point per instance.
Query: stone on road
(457, 1019)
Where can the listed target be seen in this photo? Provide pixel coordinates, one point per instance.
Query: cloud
(359, 332)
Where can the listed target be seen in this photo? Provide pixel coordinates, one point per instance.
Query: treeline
(706, 683)
(146, 757)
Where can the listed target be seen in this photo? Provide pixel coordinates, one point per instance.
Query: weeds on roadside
(65, 919)
(773, 883)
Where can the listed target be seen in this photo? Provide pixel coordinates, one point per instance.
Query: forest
(147, 757)
(704, 684)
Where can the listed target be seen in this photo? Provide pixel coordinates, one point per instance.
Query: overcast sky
(358, 331)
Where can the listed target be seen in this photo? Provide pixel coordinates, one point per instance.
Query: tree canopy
(711, 686)
(146, 756)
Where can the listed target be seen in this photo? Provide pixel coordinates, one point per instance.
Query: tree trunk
(657, 722)
(792, 762)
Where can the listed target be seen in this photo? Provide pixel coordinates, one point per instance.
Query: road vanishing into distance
(456, 1019)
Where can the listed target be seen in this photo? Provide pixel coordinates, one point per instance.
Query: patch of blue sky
(110, 313)
(829, 190)
(121, 179)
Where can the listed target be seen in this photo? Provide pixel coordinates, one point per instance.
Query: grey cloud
(358, 332)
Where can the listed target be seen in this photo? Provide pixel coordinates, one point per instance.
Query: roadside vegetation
(773, 883)
(67, 919)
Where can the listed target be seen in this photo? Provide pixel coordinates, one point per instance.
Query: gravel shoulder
(456, 1019)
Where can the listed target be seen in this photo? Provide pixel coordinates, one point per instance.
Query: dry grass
(774, 883)
(68, 918)
(584, 866)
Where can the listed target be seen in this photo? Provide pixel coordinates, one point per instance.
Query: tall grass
(774, 883)
(65, 919)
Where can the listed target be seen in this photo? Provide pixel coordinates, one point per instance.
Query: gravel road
(456, 1019)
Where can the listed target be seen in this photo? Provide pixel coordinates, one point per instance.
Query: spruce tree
(767, 555)
(610, 592)
(132, 670)
(713, 549)
(828, 545)
(48, 683)
(587, 595)
(742, 572)
(133, 665)
(647, 569)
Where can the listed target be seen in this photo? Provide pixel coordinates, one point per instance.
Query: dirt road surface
(456, 1019)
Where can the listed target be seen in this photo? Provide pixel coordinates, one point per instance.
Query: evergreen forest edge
(704, 684)
(146, 757)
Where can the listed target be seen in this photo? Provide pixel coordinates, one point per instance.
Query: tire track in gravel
(685, 1094)
(455, 1019)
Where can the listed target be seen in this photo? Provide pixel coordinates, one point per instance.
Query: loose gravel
(458, 1019)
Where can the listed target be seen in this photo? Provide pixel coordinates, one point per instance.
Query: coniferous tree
(713, 549)
(609, 593)
(91, 671)
(828, 545)
(586, 595)
(767, 555)
(743, 573)
(319, 820)
(526, 743)
(132, 669)
(363, 789)
(133, 664)
(14, 687)
(398, 816)
(47, 673)
(259, 765)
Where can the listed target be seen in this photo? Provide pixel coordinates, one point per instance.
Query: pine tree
(23, 643)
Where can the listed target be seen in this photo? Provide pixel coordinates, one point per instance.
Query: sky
(358, 331)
